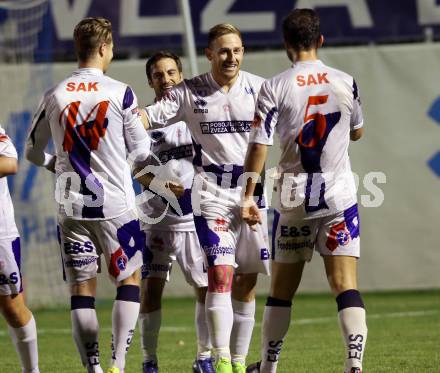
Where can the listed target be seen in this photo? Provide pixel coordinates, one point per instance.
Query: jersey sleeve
(356, 120)
(136, 138)
(7, 148)
(38, 137)
(167, 110)
(266, 117)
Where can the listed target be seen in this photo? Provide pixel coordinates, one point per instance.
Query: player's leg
(21, 323)
(219, 312)
(85, 327)
(124, 317)
(204, 361)
(342, 277)
(285, 280)
(158, 256)
(80, 265)
(203, 340)
(252, 258)
(23, 330)
(293, 242)
(122, 242)
(243, 303)
(191, 260)
(150, 318)
(339, 244)
(218, 242)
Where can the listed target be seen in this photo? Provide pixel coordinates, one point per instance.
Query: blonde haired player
(94, 122)
(218, 109)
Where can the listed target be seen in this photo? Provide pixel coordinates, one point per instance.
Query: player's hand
(250, 213)
(176, 188)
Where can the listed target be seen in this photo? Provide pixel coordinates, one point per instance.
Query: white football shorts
(10, 258)
(82, 242)
(226, 239)
(294, 240)
(164, 247)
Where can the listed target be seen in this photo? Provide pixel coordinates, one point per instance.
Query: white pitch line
(68, 331)
(315, 320)
(320, 320)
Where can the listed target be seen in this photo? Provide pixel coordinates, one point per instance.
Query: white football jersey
(8, 229)
(95, 125)
(313, 108)
(219, 122)
(172, 151)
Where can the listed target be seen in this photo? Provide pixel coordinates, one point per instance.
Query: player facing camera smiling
(225, 54)
(218, 109)
(169, 228)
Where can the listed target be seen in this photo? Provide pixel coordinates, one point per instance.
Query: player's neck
(92, 64)
(224, 82)
(309, 55)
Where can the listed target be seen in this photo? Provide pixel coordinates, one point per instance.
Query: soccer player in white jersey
(21, 322)
(218, 109)
(315, 110)
(170, 236)
(94, 122)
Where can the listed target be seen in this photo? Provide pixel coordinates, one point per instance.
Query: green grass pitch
(404, 336)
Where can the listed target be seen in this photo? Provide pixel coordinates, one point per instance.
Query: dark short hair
(222, 29)
(159, 56)
(89, 34)
(301, 29)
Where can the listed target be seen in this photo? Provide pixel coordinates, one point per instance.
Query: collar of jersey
(89, 70)
(315, 62)
(217, 86)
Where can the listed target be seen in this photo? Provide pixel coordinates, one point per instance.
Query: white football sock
(149, 326)
(351, 313)
(25, 341)
(220, 319)
(203, 340)
(244, 320)
(124, 316)
(276, 322)
(85, 330)
(354, 333)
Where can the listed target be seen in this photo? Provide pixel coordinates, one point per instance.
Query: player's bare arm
(8, 166)
(355, 135)
(254, 163)
(144, 119)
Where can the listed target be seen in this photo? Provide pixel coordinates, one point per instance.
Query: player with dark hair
(21, 322)
(218, 108)
(176, 72)
(170, 236)
(94, 122)
(315, 110)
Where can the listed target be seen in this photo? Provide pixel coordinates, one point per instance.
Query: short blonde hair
(222, 29)
(89, 34)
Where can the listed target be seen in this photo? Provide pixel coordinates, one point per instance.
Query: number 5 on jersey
(311, 140)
